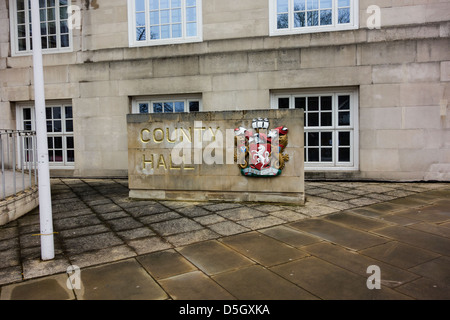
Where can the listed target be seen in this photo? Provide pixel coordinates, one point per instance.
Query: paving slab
(357, 263)
(194, 286)
(417, 238)
(165, 264)
(246, 284)
(50, 288)
(399, 254)
(355, 221)
(124, 280)
(426, 289)
(213, 257)
(350, 238)
(330, 282)
(290, 236)
(437, 269)
(263, 249)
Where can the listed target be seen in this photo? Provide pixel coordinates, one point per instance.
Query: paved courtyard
(214, 250)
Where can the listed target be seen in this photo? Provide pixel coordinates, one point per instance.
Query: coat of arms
(260, 151)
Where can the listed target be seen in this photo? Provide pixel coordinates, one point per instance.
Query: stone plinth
(194, 156)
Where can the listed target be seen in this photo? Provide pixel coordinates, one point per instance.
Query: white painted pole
(45, 201)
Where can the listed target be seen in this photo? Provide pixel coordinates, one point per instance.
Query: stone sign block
(252, 155)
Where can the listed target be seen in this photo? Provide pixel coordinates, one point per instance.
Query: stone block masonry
(194, 156)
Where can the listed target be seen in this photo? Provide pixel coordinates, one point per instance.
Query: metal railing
(18, 159)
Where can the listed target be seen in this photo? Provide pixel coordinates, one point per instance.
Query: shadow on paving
(160, 250)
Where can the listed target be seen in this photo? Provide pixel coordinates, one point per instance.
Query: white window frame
(65, 165)
(15, 38)
(157, 42)
(335, 26)
(353, 127)
(161, 99)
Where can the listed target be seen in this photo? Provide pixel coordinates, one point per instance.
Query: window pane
(51, 158)
(313, 154)
(313, 119)
(179, 106)
(344, 138)
(344, 15)
(344, 155)
(63, 13)
(326, 119)
(154, 32)
(27, 114)
(325, 4)
(143, 107)
(283, 21)
(157, 107)
(326, 103)
(51, 16)
(176, 3)
(326, 154)
(344, 118)
(22, 44)
(176, 15)
(140, 19)
(58, 142)
(154, 17)
(63, 27)
(326, 139)
(313, 18)
(325, 17)
(68, 112)
(20, 17)
(57, 126)
(58, 156)
(69, 125)
(140, 34)
(313, 138)
(165, 16)
(299, 19)
(65, 41)
(344, 3)
(56, 112)
(313, 103)
(49, 126)
(52, 42)
(20, 5)
(191, 3)
(140, 5)
(194, 106)
(165, 32)
(70, 156)
(344, 102)
(313, 4)
(282, 6)
(50, 142)
(165, 4)
(177, 31)
(299, 5)
(283, 103)
(154, 4)
(168, 107)
(191, 29)
(300, 103)
(191, 14)
(69, 142)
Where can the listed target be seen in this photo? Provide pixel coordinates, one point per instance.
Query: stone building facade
(375, 95)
